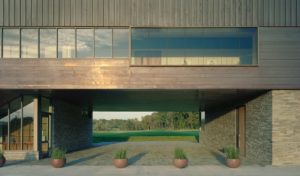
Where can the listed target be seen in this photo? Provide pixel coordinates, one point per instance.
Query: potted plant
(120, 160)
(232, 157)
(2, 158)
(58, 158)
(180, 160)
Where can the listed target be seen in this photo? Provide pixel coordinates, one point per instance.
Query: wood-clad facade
(276, 22)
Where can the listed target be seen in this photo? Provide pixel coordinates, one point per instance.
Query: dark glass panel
(28, 113)
(4, 127)
(120, 43)
(15, 124)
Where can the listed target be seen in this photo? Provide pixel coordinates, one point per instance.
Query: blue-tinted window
(120, 43)
(85, 43)
(11, 43)
(193, 46)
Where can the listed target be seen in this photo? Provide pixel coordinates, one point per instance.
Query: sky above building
(119, 115)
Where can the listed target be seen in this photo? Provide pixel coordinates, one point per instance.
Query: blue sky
(119, 115)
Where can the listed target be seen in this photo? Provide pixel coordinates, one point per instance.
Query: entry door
(45, 134)
(241, 130)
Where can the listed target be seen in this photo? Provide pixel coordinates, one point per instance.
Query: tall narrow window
(28, 112)
(85, 43)
(120, 43)
(29, 41)
(15, 124)
(103, 43)
(48, 43)
(66, 43)
(4, 127)
(11, 43)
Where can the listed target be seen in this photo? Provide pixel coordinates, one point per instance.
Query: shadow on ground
(136, 158)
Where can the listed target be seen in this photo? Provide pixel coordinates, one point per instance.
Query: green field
(152, 135)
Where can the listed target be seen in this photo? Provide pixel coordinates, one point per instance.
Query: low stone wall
(286, 127)
(71, 131)
(259, 129)
(220, 132)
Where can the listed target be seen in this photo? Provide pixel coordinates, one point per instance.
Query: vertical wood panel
(17, 13)
(222, 13)
(272, 13)
(298, 12)
(151, 12)
(73, 13)
(277, 13)
(205, 13)
(78, 12)
(61, 12)
(239, 15)
(255, 12)
(6, 13)
(56, 12)
(28, 13)
(111, 17)
(215, 12)
(67, 12)
(23, 12)
(45, 12)
(227, 13)
(106, 12)
(1, 12)
(266, 12)
(40, 13)
(260, 12)
(101, 13)
(282, 12)
(89, 13)
(11, 12)
(293, 13)
(232, 13)
(210, 16)
(95, 11)
(84, 13)
(140, 11)
(288, 12)
(249, 12)
(34, 13)
(50, 13)
(244, 12)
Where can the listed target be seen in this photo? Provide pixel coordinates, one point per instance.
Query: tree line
(156, 120)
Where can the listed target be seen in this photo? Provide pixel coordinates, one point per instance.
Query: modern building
(235, 61)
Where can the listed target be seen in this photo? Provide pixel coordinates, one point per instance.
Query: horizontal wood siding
(279, 63)
(171, 13)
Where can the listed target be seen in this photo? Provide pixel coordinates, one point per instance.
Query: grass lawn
(152, 135)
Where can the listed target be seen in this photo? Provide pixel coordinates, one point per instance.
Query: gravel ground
(140, 153)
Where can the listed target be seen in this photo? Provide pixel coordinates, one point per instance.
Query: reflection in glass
(194, 46)
(120, 43)
(48, 43)
(66, 43)
(15, 124)
(103, 43)
(46, 107)
(0, 43)
(11, 43)
(28, 113)
(85, 43)
(29, 44)
(4, 128)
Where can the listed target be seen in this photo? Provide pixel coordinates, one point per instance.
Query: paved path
(205, 170)
(142, 153)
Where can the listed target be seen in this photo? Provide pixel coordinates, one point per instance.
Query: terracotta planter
(180, 163)
(120, 163)
(58, 163)
(2, 161)
(233, 163)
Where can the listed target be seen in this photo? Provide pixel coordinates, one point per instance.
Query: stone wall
(71, 131)
(220, 132)
(259, 129)
(286, 127)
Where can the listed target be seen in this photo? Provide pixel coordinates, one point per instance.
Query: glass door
(45, 134)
